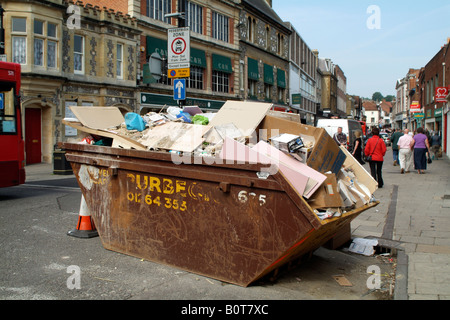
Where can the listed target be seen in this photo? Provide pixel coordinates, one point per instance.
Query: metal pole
(2, 31)
(182, 10)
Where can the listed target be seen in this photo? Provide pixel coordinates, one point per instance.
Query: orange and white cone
(85, 226)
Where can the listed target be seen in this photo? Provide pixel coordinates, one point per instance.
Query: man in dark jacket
(394, 140)
(340, 138)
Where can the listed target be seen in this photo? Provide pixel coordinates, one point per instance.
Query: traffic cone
(85, 226)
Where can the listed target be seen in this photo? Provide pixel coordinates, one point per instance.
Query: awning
(198, 58)
(221, 63)
(281, 78)
(253, 70)
(268, 74)
(156, 45)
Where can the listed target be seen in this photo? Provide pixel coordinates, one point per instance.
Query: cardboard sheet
(296, 171)
(327, 196)
(246, 116)
(98, 117)
(365, 181)
(177, 136)
(325, 156)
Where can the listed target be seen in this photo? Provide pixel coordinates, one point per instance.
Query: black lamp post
(2, 31)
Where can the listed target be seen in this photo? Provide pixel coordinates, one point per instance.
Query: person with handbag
(375, 151)
(421, 146)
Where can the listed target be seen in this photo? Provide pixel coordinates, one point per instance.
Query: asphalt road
(39, 261)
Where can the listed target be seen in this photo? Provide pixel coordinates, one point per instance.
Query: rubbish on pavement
(363, 246)
(343, 281)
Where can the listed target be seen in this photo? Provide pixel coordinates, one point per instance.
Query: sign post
(179, 52)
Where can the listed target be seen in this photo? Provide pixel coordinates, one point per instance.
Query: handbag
(369, 157)
(429, 159)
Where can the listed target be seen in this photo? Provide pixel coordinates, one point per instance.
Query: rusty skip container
(218, 220)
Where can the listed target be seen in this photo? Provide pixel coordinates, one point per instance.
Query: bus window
(7, 112)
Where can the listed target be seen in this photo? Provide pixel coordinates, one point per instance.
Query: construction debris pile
(327, 176)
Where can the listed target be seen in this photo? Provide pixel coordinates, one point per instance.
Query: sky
(374, 42)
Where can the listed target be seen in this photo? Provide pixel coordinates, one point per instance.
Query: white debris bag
(363, 246)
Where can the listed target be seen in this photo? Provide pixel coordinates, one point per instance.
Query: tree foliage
(377, 96)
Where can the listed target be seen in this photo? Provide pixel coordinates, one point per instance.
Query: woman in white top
(405, 145)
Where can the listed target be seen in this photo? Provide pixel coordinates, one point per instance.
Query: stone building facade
(264, 54)
(70, 54)
(329, 88)
(303, 80)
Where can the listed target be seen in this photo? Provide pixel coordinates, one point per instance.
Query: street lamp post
(2, 31)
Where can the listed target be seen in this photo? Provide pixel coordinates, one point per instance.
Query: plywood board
(246, 116)
(124, 141)
(177, 136)
(228, 130)
(98, 117)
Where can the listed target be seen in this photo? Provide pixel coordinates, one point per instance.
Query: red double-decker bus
(12, 152)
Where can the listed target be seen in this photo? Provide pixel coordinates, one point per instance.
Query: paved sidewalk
(415, 212)
(42, 171)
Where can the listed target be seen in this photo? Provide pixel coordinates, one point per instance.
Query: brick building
(214, 46)
(435, 74)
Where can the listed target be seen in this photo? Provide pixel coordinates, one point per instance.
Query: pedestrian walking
(340, 137)
(435, 144)
(375, 151)
(394, 140)
(421, 146)
(405, 146)
(357, 148)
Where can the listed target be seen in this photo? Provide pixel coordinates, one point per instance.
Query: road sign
(179, 89)
(179, 73)
(179, 53)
